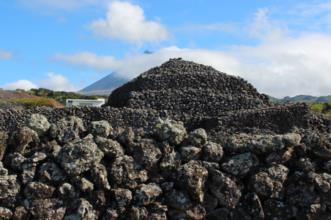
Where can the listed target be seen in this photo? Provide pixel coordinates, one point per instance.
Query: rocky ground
(129, 161)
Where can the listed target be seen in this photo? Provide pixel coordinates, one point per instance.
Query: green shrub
(323, 108)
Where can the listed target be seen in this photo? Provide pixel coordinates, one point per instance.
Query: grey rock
(170, 160)
(47, 209)
(22, 138)
(79, 156)
(270, 183)
(224, 189)
(327, 166)
(16, 161)
(212, 152)
(20, 213)
(147, 153)
(158, 211)
(9, 186)
(110, 214)
(83, 210)
(3, 143)
(137, 213)
(29, 172)
(240, 165)
(210, 202)
(51, 172)
(109, 147)
(190, 153)
(196, 213)
(67, 129)
(84, 185)
(67, 191)
(39, 123)
(146, 194)
(261, 144)
(320, 145)
(100, 176)
(198, 137)
(322, 181)
(5, 213)
(192, 177)
(122, 198)
(37, 157)
(37, 190)
(292, 139)
(101, 128)
(255, 206)
(124, 172)
(171, 131)
(178, 200)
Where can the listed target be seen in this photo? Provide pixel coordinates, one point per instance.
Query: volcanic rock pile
(227, 159)
(183, 86)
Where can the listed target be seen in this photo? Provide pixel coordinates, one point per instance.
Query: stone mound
(183, 86)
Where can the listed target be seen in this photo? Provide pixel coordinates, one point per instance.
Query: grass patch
(37, 101)
(323, 108)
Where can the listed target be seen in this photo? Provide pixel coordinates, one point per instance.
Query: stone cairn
(233, 156)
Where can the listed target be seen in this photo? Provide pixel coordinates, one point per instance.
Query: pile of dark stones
(183, 86)
(220, 150)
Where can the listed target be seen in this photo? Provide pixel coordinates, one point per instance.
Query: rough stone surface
(182, 141)
(3, 143)
(39, 123)
(101, 128)
(240, 165)
(78, 156)
(171, 131)
(212, 152)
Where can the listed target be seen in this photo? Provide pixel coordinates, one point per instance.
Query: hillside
(304, 98)
(104, 86)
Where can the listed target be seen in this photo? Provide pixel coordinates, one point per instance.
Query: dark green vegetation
(61, 96)
(302, 98)
(324, 108)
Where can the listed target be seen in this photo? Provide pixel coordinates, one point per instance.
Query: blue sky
(282, 47)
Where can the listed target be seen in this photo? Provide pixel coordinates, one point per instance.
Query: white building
(84, 102)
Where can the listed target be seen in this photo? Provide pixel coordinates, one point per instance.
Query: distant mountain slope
(303, 98)
(104, 86)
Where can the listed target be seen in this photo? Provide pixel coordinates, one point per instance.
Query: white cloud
(53, 81)
(125, 21)
(288, 66)
(20, 84)
(265, 29)
(134, 64)
(279, 65)
(314, 8)
(57, 82)
(59, 4)
(5, 55)
(90, 60)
